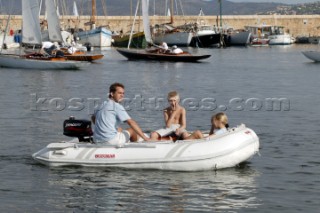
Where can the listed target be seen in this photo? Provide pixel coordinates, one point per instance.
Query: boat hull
(260, 42)
(223, 151)
(100, 37)
(280, 39)
(138, 40)
(312, 55)
(174, 38)
(15, 61)
(84, 57)
(209, 40)
(240, 38)
(143, 55)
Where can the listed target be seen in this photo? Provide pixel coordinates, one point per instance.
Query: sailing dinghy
(150, 54)
(31, 34)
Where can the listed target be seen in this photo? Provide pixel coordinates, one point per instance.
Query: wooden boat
(152, 55)
(81, 56)
(312, 55)
(32, 61)
(221, 151)
(32, 35)
(84, 57)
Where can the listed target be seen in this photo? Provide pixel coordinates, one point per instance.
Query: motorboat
(312, 55)
(139, 54)
(259, 42)
(274, 34)
(227, 150)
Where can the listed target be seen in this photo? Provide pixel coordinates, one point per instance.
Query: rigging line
(177, 11)
(81, 8)
(65, 9)
(181, 7)
(104, 7)
(166, 8)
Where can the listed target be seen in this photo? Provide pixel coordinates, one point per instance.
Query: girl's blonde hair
(221, 116)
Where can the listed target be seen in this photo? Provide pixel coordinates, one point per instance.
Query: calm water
(285, 178)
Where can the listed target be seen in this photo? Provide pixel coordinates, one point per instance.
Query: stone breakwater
(296, 25)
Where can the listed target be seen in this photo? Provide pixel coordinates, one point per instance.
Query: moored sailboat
(155, 54)
(171, 35)
(31, 34)
(55, 35)
(96, 37)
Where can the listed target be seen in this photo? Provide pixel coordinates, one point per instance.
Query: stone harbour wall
(296, 25)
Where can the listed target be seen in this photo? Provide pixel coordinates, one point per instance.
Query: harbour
(262, 79)
(296, 25)
(282, 178)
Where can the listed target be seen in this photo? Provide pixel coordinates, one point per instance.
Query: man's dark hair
(113, 88)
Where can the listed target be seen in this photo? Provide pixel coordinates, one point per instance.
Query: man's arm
(133, 124)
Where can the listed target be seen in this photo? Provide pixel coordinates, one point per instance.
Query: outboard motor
(78, 128)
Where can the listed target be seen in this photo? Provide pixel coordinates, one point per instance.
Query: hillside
(122, 7)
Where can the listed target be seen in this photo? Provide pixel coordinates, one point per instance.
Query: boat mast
(171, 17)
(93, 16)
(5, 33)
(132, 27)
(220, 3)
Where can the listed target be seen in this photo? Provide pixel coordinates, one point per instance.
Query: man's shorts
(121, 138)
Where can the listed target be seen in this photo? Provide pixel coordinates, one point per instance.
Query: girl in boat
(219, 125)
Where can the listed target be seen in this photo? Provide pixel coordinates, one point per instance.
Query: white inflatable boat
(222, 151)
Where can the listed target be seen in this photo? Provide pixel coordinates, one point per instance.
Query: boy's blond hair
(173, 94)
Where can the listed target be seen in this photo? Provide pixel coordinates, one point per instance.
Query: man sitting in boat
(175, 119)
(72, 50)
(108, 117)
(219, 125)
(48, 47)
(163, 48)
(176, 50)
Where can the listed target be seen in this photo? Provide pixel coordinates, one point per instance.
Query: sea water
(273, 90)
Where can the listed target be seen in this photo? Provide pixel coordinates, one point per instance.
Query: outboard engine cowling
(78, 128)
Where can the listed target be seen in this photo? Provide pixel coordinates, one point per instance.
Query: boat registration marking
(105, 156)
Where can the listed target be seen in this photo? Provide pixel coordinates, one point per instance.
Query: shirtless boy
(175, 119)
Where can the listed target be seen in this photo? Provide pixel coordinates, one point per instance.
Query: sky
(278, 1)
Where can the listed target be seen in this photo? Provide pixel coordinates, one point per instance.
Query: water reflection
(140, 191)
